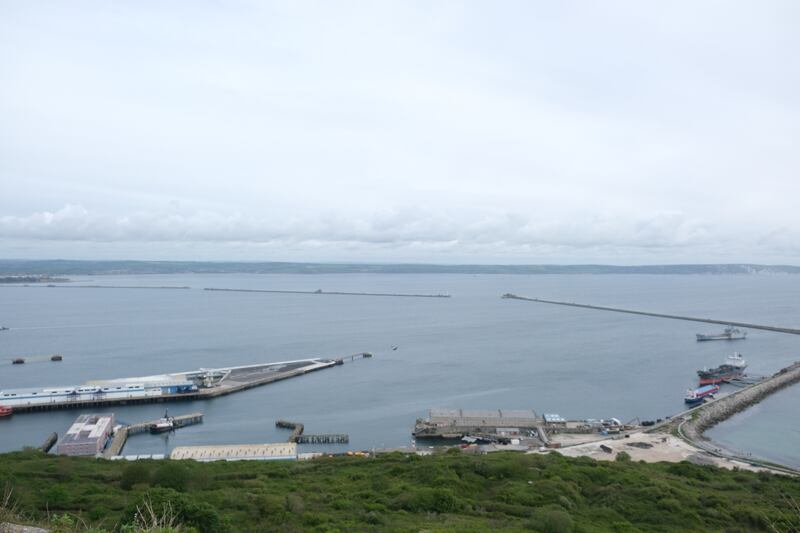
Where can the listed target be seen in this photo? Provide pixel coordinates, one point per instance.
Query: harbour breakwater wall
(332, 293)
(793, 331)
(716, 411)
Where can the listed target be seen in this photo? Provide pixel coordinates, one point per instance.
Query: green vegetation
(450, 492)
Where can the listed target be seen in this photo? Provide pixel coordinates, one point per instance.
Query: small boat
(4, 328)
(699, 394)
(163, 424)
(730, 334)
(394, 348)
(18, 361)
(5, 411)
(56, 357)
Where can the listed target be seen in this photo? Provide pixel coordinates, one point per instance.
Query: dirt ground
(663, 447)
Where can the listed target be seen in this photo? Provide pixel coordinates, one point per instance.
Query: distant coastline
(19, 280)
(43, 270)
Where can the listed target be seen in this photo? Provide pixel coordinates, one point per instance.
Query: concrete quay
(121, 434)
(211, 384)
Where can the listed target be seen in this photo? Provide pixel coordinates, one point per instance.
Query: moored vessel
(733, 367)
(163, 424)
(699, 394)
(730, 334)
(6, 411)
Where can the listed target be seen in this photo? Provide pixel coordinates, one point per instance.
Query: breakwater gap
(779, 329)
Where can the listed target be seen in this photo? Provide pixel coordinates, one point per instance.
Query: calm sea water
(473, 350)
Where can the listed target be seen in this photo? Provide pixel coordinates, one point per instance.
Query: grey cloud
(390, 230)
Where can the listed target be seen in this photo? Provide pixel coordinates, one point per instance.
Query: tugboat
(698, 395)
(18, 361)
(733, 367)
(5, 411)
(730, 334)
(163, 424)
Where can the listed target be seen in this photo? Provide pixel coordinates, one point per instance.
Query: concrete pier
(298, 437)
(792, 331)
(235, 379)
(325, 438)
(121, 434)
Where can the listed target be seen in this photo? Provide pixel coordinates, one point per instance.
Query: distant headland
(41, 270)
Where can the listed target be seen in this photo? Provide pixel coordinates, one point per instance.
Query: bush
(553, 520)
(134, 474)
(428, 500)
(171, 475)
(56, 497)
(184, 509)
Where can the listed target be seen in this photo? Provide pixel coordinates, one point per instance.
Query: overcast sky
(481, 132)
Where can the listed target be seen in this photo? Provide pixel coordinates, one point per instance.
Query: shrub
(56, 497)
(171, 475)
(134, 474)
(428, 500)
(553, 519)
(180, 507)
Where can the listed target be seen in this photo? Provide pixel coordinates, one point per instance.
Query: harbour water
(473, 350)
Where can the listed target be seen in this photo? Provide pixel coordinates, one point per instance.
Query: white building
(87, 435)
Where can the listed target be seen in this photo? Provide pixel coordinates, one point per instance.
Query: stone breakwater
(714, 412)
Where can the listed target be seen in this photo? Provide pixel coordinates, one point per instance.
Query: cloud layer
(620, 131)
(416, 232)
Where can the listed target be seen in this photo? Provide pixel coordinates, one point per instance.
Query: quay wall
(712, 413)
(203, 394)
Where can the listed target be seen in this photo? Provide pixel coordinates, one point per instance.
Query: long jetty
(299, 437)
(333, 293)
(792, 331)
